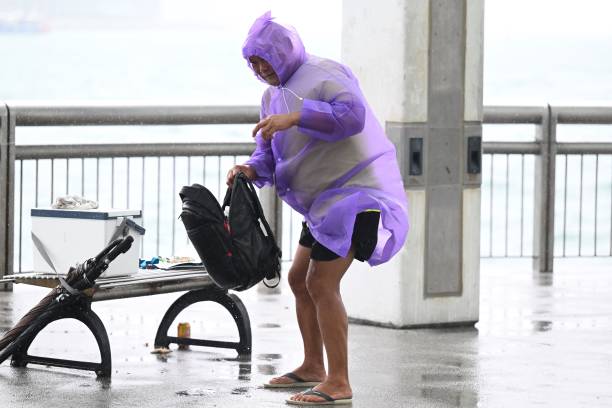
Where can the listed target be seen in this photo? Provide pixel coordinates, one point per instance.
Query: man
(319, 143)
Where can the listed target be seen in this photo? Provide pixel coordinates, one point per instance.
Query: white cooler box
(72, 236)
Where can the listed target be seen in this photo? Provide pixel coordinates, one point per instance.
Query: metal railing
(551, 193)
(150, 157)
(207, 162)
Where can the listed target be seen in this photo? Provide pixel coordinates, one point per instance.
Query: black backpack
(235, 250)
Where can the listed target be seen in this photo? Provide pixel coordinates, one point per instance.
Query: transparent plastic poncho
(338, 161)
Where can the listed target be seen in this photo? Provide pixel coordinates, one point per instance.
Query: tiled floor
(541, 341)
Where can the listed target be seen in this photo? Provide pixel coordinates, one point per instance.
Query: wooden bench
(197, 283)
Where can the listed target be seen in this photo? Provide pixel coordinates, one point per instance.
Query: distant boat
(22, 26)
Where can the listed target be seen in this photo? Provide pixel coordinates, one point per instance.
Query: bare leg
(313, 368)
(323, 283)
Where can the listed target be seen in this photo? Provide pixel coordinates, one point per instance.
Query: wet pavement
(542, 341)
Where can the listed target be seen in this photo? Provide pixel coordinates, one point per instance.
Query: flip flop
(298, 382)
(327, 400)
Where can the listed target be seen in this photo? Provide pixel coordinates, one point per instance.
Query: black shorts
(365, 237)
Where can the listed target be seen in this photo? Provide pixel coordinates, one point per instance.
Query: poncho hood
(278, 44)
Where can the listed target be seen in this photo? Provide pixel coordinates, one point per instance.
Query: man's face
(264, 70)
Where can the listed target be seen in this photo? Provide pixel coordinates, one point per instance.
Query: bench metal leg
(230, 301)
(82, 312)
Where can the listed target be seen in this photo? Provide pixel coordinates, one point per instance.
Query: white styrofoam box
(73, 236)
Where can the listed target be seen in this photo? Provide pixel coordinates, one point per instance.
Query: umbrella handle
(106, 250)
(113, 250)
(121, 248)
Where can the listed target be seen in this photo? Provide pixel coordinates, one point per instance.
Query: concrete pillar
(419, 63)
(273, 211)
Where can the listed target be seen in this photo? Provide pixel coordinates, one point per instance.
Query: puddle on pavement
(197, 392)
(545, 279)
(442, 377)
(162, 357)
(269, 326)
(268, 299)
(269, 357)
(104, 382)
(244, 372)
(131, 383)
(240, 391)
(453, 398)
(453, 363)
(542, 325)
(266, 369)
(240, 359)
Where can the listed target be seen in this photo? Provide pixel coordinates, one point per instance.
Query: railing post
(273, 211)
(544, 193)
(7, 185)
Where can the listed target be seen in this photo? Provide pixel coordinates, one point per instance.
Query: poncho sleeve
(262, 160)
(338, 113)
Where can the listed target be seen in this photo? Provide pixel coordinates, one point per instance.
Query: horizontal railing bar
(584, 115)
(40, 152)
(511, 148)
(95, 115)
(513, 114)
(584, 148)
(33, 152)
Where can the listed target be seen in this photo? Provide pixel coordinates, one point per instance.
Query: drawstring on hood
(283, 88)
(279, 45)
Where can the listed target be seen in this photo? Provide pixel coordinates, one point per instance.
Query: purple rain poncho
(338, 161)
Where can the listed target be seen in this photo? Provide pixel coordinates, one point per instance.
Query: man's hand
(247, 170)
(273, 123)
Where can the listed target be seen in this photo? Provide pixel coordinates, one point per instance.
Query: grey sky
(536, 51)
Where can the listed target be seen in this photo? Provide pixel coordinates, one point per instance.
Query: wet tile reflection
(240, 391)
(542, 325)
(515, 357)
(162, 358)
(267, 369)
(451, 397)
(196, 392)
(269, 326)
(455, 363)
(442, 377)
(244, 372)
(105, 383)
(269, 357)
(543, 279)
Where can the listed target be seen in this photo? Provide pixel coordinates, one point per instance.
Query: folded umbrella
(70, 290)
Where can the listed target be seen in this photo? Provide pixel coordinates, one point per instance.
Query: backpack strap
(258, 209)
(251, 189)
(241, 177)
(228, 198)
